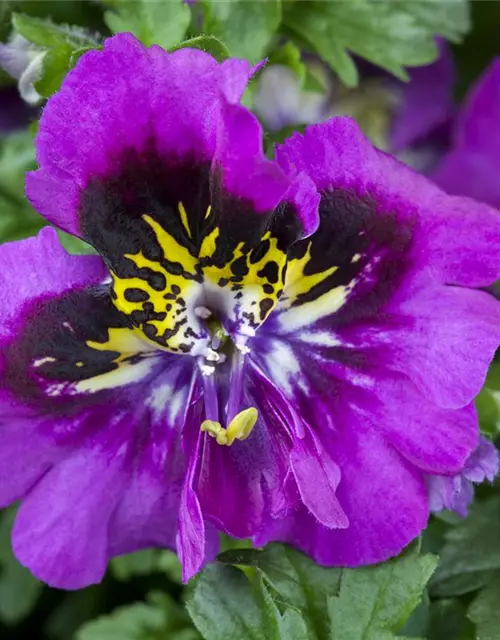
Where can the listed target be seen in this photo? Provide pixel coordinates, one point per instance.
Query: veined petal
(241, 486)
(373, 277)
(179, 198)
(114, 419)
(383, 497)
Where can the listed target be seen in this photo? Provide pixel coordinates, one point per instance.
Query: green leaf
(162, 22)
(18, 219)
(246, 28)
(209, 44)
(289, 55)
(49, 35)
(374, 602)
(160, 617)
(63, 44)
(299, 582)
(145, 562)
(448, 621)
(488, 403)
(485, 612)
(390, 33)
(472, 546)
(368, 603)
(225, 605)
(19, 590)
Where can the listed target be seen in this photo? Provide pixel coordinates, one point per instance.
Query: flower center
(239, 423)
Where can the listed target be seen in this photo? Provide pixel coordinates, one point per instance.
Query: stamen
(239, 429)
(215, 430)
(202, 312)
(210, 394)
(235, 385)
(241, 425)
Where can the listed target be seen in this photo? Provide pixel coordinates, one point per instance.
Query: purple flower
(472, 165)
(239, 358)
(456, 493)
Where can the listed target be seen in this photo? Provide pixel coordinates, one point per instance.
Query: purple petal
(383, 497)
(448, 234)
(60, 531)
(127, 97)
(427, 101)
(471, 167)
(456, 493)
(483, 462)
(241, 486)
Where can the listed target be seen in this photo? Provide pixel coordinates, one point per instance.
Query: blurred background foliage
(275, 593)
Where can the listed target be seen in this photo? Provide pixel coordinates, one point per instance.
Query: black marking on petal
(270, 272)
(135, 295)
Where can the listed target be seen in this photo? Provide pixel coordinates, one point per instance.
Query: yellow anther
(215, 430)
(239, 429)
(241, 425)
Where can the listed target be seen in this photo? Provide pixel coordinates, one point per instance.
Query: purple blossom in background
(281, 350)
(471, 167)
(456, 493)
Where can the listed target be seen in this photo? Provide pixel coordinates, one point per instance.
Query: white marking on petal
(40, 361)
(125, 374)
(282, 365)
(320, 338)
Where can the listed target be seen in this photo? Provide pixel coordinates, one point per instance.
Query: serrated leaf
(160, 617)
(473, 545)
(63, 44)
(152, 21)
(246, 28)
(374, 602)
(209, 44)
(391, 34)
(225, 605)
(19, 590)
(300, 582)
(49, 35)
(485, 612)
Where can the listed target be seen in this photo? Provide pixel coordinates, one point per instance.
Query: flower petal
(182, 197)
(240, 486)
(366, 190)
(60, 529)
(370, 277)
(383, 497)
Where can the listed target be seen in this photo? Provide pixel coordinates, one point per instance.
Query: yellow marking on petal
(126, 343)
(239, 428)
(209, 211)
(297, 282)
(252, 279)
(169, 305)
(173, 250)
(80, 364)
(184, 218)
